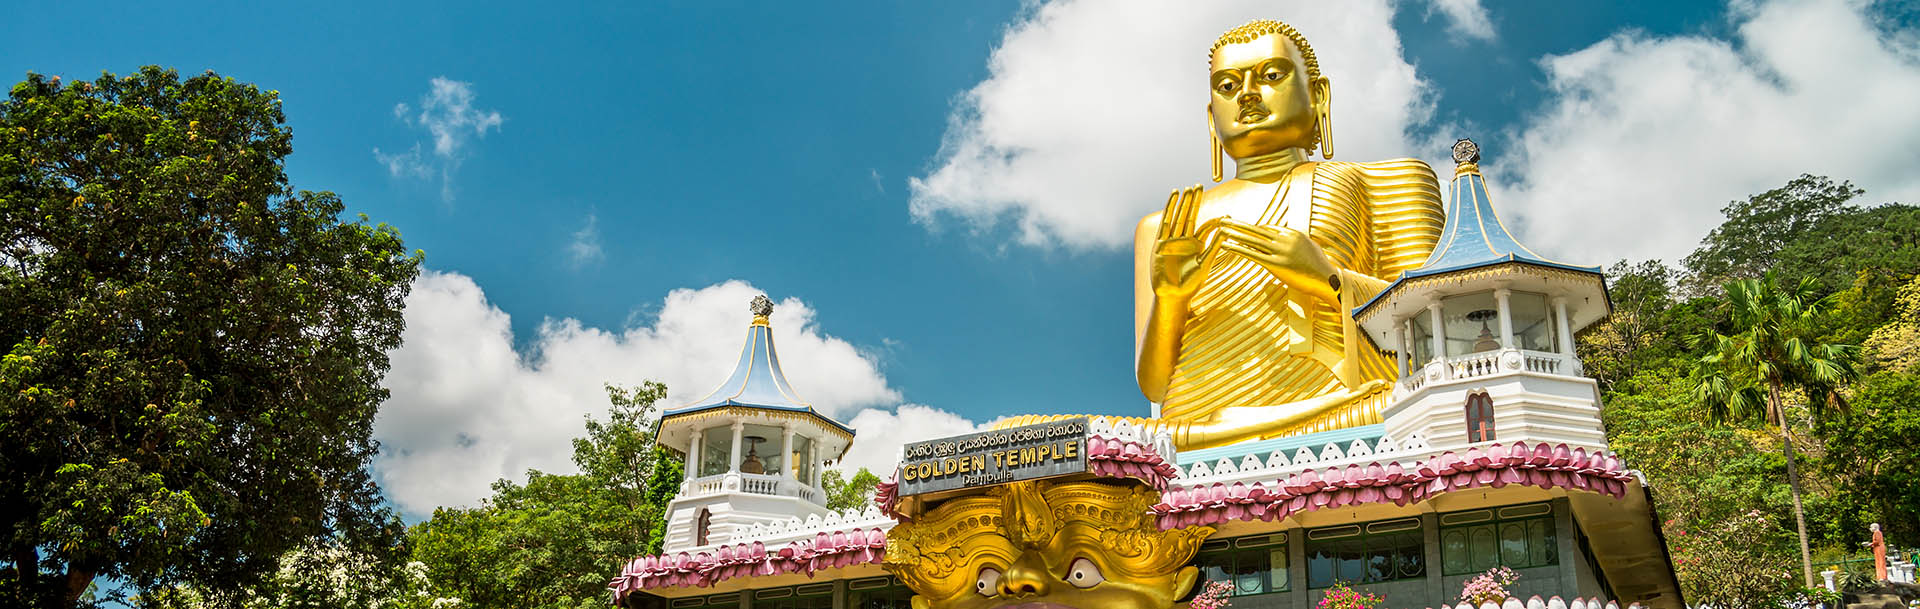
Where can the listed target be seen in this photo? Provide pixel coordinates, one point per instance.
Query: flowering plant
(1489, 587)
(1342, 597)
(1214, 597)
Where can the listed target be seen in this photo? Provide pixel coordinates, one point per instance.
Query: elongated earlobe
(1323, 115)
(1213, 138)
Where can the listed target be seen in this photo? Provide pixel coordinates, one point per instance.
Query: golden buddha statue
(1089, 544)
(1243, 290)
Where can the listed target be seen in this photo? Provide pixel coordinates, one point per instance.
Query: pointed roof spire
(1474, 235)
(757, 380)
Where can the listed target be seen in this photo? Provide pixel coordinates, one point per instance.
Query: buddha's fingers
(1168, 217)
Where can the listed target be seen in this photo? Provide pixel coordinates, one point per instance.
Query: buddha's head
(1036, 545)
(1267, 92)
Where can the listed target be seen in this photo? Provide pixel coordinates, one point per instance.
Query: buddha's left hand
(1290, 255)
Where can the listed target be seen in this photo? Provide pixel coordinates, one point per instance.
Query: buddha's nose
(1249, 97)
(1027, 576)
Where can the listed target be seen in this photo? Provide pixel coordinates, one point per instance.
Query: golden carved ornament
(1087, 544)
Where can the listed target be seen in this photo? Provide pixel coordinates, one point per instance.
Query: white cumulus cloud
(879, 434)
(468, 407)
(451, 121)
(1092, 111)
(1645, 138)
(1466, 18)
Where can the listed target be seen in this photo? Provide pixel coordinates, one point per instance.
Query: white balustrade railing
(1547, 363)
(1474, 364)
(1486, 363)
(757, 484)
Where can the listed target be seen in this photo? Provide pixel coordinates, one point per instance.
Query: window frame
(1235, 549)
(1495, 521)
(1480, 410)
(1395, 532)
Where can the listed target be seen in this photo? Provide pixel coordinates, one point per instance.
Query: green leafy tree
(557, 540)
(319, 576)
(1770, 353)
(1872, 450)
(845, 494)
(192, 349)
(1756, 230)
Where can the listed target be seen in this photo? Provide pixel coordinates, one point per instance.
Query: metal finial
(1465, 151)
(761, 306)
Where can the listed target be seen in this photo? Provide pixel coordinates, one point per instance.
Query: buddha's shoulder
(1405, 168)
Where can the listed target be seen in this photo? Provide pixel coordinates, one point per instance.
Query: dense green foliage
(848, 495)
(192, 349)
(556, 540)
(1708, 373)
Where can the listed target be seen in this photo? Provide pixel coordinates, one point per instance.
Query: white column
(1439, 331)
(786, 451)
(813, 464)
(1400, 346)
(733, 453)
(693, 455)
(1500, 297)
(1560, 321)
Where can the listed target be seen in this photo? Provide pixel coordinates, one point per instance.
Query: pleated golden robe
(1252, 341)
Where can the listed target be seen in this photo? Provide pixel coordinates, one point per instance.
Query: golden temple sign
(1044, 450)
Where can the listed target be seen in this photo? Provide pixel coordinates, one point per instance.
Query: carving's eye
(989, 582)
(1274, 76)
(1084, 574)
(1227, 86)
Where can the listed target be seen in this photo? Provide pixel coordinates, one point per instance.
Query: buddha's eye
(989, 582)
(1273, 76)
(1084, 574)
(1227, 86)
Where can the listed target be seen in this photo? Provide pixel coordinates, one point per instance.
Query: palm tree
(1772, 351)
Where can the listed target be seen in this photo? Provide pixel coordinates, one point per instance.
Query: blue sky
(619, 177)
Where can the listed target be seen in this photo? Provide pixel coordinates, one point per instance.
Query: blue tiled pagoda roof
(756, 382)
(1473, 237)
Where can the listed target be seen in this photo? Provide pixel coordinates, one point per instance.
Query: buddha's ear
(1183, 582)
(1322, 91)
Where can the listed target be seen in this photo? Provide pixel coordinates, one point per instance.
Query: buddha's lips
(1038, 605)
(1252, 114)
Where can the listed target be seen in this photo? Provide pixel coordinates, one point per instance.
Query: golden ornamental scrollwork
(1089, 544)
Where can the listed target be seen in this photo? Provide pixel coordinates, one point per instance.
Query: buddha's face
(1263, 101)
(1083, 545)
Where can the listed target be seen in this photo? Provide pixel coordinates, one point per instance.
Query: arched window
(1479, 418)
(701, 526)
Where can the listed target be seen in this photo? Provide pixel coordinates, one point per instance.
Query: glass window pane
(1532, 324)
(1277, 570)
(1249, 572)
(1353, 565)
(1513, 544)
(1485, 554)
(1472, 324)
(1540, 538)
(1213, 568)
(1412, 559)
(715, 445)
(1320, 559)
(1422, 347)
(1380, 555)
(1453, 551)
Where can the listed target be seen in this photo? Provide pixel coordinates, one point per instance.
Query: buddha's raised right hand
(1178, 255)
